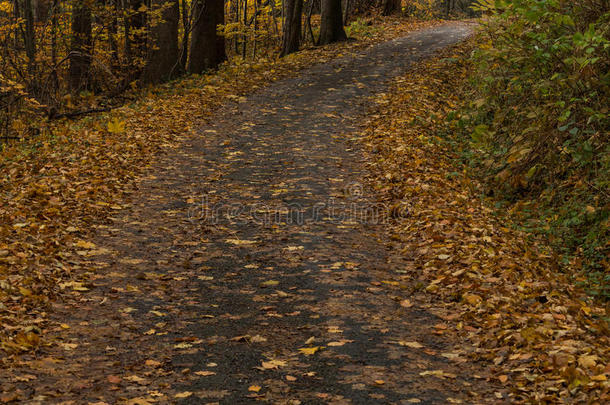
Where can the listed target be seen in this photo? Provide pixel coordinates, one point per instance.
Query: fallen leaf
(406, 303)
(113, 379)
(204, 373)
(438, 373)
(258, 339)
(308, 351)
(85, 245)
(240, 242)
(472, 299)
(136, 379)
(413, 345)
(272, 364)
(587, 361)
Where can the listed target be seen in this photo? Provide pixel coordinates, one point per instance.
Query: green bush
(362, 29)
(539, 121)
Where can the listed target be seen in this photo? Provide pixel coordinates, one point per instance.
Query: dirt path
(249, 267)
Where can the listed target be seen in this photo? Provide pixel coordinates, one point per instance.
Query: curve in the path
(250, 268)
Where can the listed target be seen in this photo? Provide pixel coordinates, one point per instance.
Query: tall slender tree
(186, 30)
(81, 46)
(207, 47)
(292, 28)
(135, 34)
(29, 34)
(331, 28)
(163, 61)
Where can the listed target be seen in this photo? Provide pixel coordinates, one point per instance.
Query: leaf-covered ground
(212, 246)
(55, 188)
(496, 287)
(247, 266)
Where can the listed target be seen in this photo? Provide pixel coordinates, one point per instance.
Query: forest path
(250, 266)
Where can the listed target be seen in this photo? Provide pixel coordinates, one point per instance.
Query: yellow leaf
(85, 245)
(406, 303)
(116, 127)
(184, 394)
(472, 299)
(239, 242)
(586, 361)
(413, 345)
(204, 373)
(308, 351)
(138, 401)
(254, 388)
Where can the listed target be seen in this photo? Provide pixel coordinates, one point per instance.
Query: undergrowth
(537, 125)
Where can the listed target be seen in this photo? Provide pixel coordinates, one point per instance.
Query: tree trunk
(42, 9)
(292, 27)
(29, 34)
(207, 47)
(163, 54)
(245, 36)
(346, 13)
(80, 53)
(331, 28)
(113, 30)
(186, 30)
(135, 34)
(54, 22)
(391, 6)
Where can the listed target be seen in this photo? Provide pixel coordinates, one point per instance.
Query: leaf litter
(59, 187)
(546, 339)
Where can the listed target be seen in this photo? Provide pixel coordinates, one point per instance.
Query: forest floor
(263, 256)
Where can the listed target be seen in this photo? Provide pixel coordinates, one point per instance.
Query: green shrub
(539, 121)
(362, 29)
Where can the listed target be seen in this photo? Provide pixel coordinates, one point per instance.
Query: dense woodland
(66, 58)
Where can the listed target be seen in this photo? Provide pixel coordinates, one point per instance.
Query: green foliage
(362, 29)
(540, 122)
